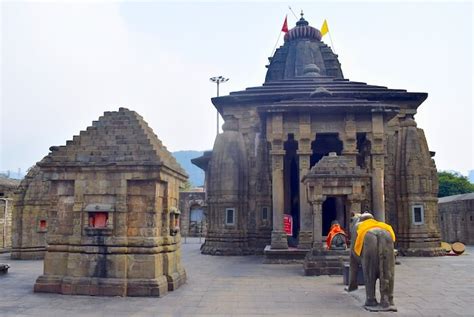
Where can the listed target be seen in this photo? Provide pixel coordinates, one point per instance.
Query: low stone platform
(283, 256)
(426, 252)
(325, 262)
(107, 286)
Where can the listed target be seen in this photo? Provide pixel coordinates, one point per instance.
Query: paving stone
(423, 287)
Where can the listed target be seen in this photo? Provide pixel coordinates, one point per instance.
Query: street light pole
(218, 80)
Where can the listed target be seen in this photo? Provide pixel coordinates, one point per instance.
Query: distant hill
(471, 176)
(196, 175)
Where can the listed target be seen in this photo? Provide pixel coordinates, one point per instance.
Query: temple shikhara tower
(103, 211)
(311, 146)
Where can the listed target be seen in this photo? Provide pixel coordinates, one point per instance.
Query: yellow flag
(324, 28)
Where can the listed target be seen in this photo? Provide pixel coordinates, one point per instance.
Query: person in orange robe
(333, 231)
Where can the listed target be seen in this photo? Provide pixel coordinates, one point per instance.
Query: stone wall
(7, 189)
(456, 218)
(30, 217)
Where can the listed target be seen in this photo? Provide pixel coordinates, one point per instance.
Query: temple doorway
(196, 220)
(334, 208)
(292, 187)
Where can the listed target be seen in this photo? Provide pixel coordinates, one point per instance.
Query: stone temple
(103, 211)
(315, 146)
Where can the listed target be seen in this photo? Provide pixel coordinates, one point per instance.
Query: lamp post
(218, 80)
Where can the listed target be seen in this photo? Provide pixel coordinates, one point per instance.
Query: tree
(186, 186)
(452, 183)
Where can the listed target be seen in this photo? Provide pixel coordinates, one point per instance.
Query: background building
(192, 206)
(456, 218)
(7, 189)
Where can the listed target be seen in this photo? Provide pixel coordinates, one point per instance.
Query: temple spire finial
(302, 21)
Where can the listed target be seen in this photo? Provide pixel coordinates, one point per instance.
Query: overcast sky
(63, 65)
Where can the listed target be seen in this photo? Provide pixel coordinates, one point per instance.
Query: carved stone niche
(99, 219)
(174, 221)
(332, 176)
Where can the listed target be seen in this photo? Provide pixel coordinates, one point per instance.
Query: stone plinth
(325, 262)
(434, 251)
(284, 256)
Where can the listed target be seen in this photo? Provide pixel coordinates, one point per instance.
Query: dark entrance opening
(329, 214)
(291, 186)
(334, 208)
(363, 147)
(325, 143)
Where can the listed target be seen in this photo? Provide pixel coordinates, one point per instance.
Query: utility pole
(218, 80)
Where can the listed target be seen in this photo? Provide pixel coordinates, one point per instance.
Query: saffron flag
(324, 28)
(284, 28)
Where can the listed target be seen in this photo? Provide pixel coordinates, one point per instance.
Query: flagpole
(283, 29)
(276, 43)
(325, 29)
(332, 45)
(293, 13)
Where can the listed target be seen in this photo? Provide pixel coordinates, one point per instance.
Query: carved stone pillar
(318, 224)
(377, 167)
(349, 138)
(354, 204)
(275, 134)
(304, 154)
(306, 220)
(279, 240)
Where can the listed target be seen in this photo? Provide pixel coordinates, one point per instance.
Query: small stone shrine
(334, 176)
(275, 134)
(111, 212)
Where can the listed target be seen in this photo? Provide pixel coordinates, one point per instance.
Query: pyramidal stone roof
(303, 47)
(335, 165)
(304, 67)
(118, 137)
(305, 88)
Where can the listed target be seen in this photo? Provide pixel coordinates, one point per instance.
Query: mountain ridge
(196, 175)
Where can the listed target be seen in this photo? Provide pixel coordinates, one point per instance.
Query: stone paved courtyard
(243, 286)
